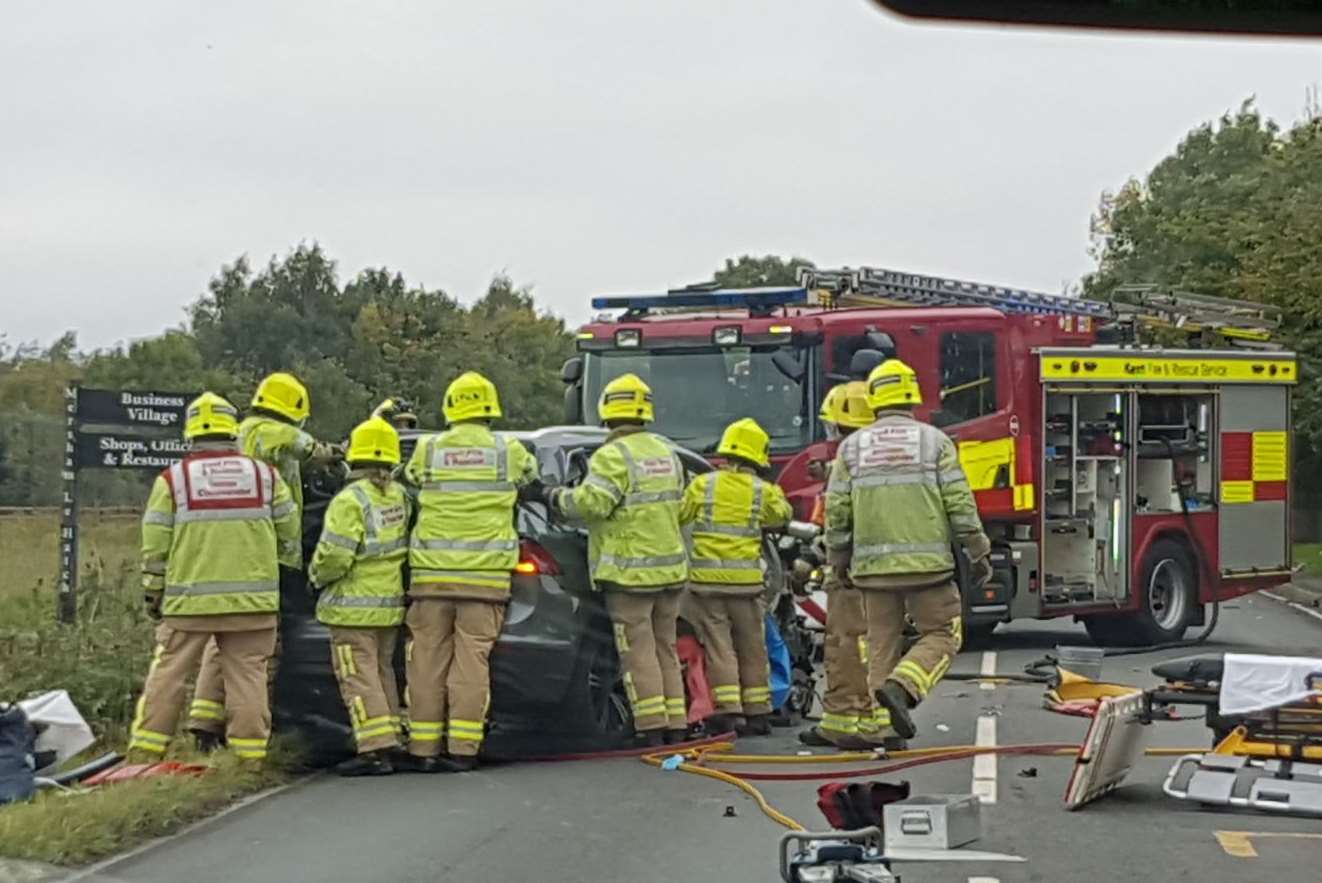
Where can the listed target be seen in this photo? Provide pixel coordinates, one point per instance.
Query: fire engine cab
(1127, 486)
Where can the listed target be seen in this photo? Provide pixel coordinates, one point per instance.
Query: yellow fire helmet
(209, 414)
(626, 398)
(832, 404)
(747, 441)
(374, 441)
(471, 397)
(893, 384)
(283, 394)
(855, 413)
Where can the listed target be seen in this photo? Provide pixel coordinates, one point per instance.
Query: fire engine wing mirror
(572, 370)
(789, 364)
(863, 361)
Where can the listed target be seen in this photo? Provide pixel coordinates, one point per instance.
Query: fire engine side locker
(1243, 476)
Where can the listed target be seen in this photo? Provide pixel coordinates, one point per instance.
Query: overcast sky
(586, 147)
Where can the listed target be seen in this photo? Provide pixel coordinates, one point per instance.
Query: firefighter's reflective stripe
(426, 731)
(920, 679)
(840, 723)
(757, 695)
(146, 740)
(248, 749)
(675, 707)
(726, 694)
(650, 706)
(465, 730)
(465, 545)
(375, 726)
(646, 561)
(206, 709)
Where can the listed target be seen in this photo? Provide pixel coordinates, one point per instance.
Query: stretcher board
(1273, 785)
(1114, 743)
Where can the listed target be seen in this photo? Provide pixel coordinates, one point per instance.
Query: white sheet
(65, 733)
(1253, 682)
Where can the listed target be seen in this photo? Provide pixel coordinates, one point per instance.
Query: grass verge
(102, 661)
(1309, 557)
(75, 828)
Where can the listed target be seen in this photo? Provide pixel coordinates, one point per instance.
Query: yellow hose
(747, 787)
(718, 753)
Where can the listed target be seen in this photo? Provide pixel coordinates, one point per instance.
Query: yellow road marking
(1240, 843)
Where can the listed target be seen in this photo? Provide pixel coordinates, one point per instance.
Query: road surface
(619, 820)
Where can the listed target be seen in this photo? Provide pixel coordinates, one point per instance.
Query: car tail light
(533, 559)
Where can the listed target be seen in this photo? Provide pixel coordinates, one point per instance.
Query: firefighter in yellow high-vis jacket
(462, 555)
(358, 570)
(728, 509)
(211, 536)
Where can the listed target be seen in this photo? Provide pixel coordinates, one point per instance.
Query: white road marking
(1301, 608)
(988, 669)
(984, 765)
(983, 880)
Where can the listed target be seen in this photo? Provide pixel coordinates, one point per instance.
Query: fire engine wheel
(1168, 601)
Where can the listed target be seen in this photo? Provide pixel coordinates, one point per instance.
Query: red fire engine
(1126, 486)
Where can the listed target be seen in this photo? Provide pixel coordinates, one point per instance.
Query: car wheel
(1168, 601)
(605, 705)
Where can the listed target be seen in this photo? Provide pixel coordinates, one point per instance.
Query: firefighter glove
(982, 571)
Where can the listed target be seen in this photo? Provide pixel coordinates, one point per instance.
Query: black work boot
(457, 763)
(412, 763)
(676, 737)
(720, 723)
(755, 725)
(650, 739)
(373, 763)
(894, 698)
(208, 742)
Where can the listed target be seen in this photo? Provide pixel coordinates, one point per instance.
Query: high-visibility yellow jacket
(211, 533)
(630, 501)
(465, 544)
(284, 446)
(896, 500)
(359, 561)
(728, 510)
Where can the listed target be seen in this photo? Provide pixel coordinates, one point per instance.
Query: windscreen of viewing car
(698, 392)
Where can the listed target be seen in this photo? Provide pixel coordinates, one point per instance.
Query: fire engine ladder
(1240, 322)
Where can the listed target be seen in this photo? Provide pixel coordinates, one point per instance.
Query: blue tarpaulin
(782, 670)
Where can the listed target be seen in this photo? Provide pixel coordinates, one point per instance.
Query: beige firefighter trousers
(242, 658)
(447, 673)
(364, 667)
(730, 628)
(645, 633)
(206, 714)
(847, 706)
(936, 613)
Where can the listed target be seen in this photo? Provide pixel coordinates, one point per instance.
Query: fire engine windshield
(698, 392)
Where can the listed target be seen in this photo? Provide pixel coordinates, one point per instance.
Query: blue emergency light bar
(755, 299)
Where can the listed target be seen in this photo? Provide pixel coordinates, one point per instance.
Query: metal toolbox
(932, 821)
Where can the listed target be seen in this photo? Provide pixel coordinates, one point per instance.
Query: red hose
(679, 748)
(954, 754)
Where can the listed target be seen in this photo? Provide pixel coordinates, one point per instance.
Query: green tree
(1234, 211)
(748, 271)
